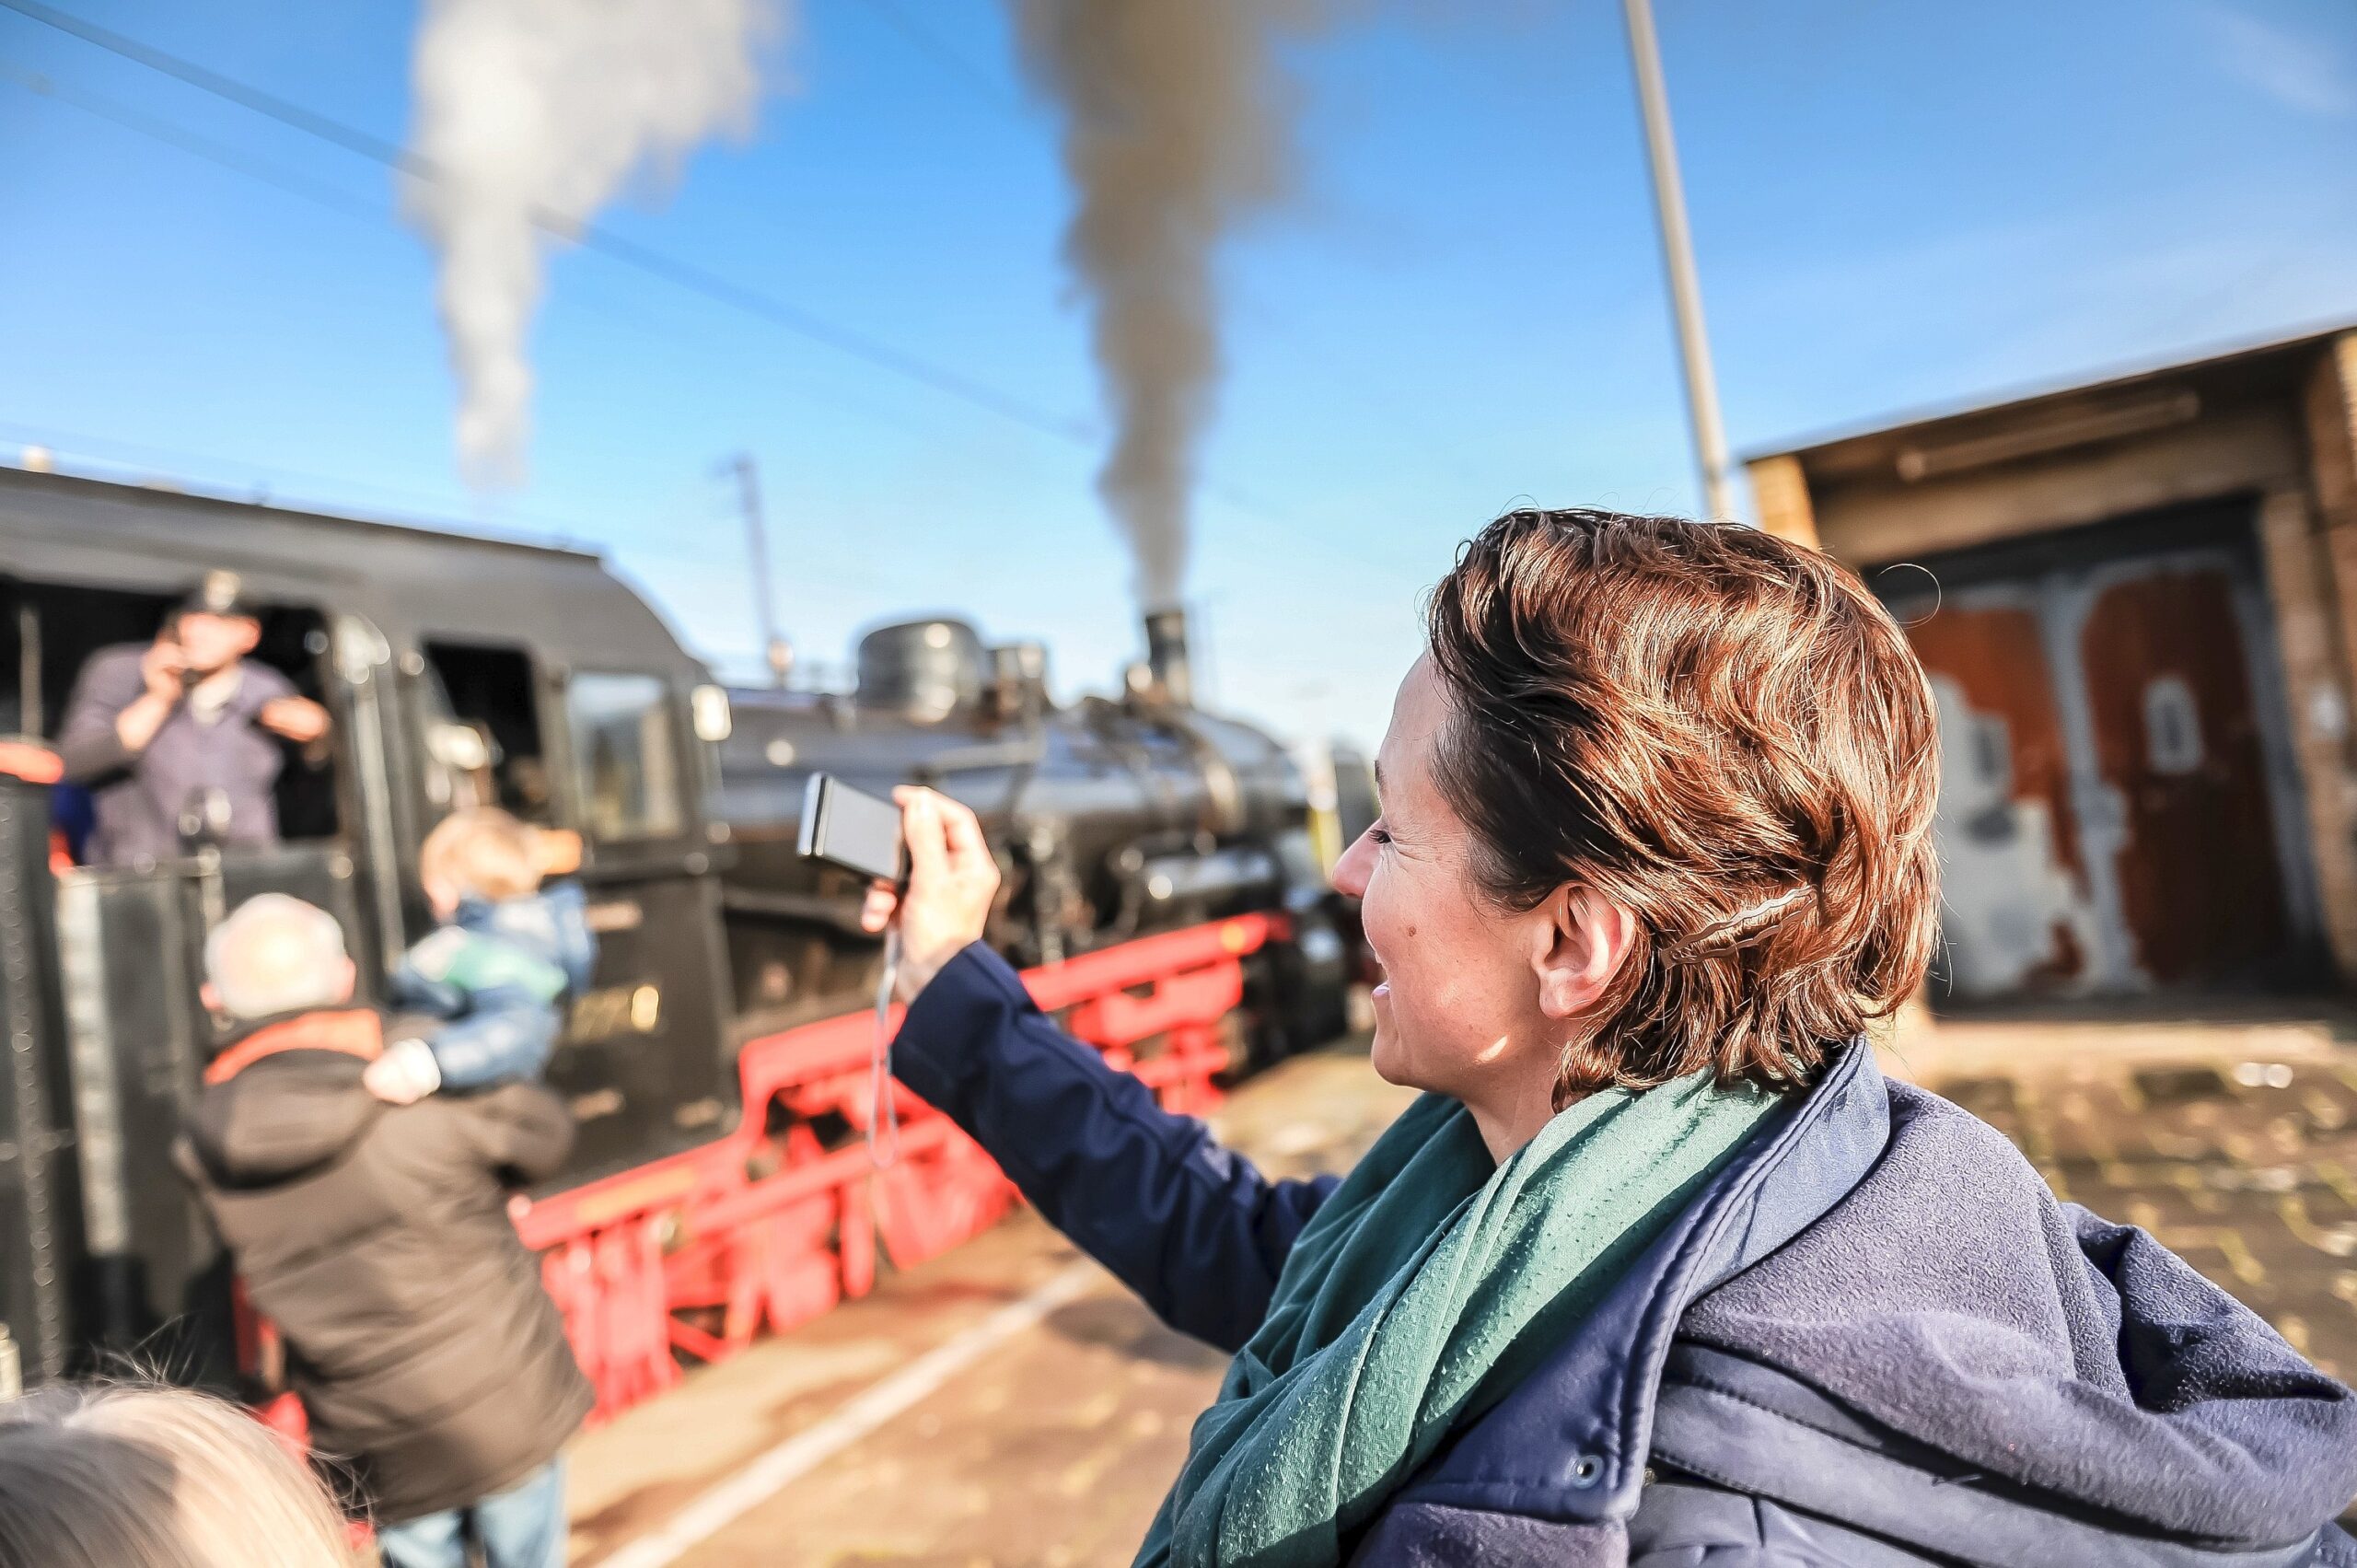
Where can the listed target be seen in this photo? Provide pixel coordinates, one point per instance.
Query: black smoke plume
(1178, 124)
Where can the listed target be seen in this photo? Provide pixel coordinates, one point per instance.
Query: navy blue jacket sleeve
(1194, 1229)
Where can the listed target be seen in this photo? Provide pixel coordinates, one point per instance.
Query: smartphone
(851, 829)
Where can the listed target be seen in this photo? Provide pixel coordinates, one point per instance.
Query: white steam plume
(531, 111)
(1177, 125)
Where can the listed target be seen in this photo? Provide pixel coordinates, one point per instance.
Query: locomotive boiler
(1112, 817)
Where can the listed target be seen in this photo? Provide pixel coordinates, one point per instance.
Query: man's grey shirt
(139, 795)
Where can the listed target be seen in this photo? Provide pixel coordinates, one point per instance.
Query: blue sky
(1895, 205)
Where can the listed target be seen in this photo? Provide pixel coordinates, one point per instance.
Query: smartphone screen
(852, 830)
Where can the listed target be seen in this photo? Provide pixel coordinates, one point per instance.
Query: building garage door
(2119, 809)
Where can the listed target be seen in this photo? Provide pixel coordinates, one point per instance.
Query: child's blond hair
(483, 852)
(98, 1476)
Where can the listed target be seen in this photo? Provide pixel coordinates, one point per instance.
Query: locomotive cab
(613, 755)
(456, 671)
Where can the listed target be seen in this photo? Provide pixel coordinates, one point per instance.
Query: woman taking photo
(1659, 1269)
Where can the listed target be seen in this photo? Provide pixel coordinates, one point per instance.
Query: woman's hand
(953, 881)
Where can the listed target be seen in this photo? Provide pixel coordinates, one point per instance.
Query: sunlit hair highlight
(1722, 731)
(106, 1476)
(484, 853)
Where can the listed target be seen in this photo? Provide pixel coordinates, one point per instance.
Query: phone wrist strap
(883, 1105)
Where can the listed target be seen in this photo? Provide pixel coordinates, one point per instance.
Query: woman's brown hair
(1722, 731)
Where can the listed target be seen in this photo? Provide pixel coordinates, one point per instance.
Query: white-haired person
(434, 1368)
(111, 1477)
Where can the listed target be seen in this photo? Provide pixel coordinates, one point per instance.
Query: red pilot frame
(767, 1227)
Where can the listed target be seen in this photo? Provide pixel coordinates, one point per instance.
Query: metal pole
(1677, 260)
(749, 492)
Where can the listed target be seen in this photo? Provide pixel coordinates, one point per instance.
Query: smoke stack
(1165, 656)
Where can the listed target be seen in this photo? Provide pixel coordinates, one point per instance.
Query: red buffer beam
(764, 1229)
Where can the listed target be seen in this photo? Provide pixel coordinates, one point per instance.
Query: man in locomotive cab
(434, 1367)
(178, 739)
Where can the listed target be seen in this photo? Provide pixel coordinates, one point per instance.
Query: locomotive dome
(928, 669)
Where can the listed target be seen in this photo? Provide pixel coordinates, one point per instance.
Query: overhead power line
(942, 52)
(155, 128)
(328, 197)
(682, 274)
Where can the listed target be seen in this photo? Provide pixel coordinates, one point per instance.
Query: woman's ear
(1580, 945)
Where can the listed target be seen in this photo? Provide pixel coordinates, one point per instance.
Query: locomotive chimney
(1165, 656)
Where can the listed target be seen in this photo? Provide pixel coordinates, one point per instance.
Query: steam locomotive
(463, 670)
(1112, 818)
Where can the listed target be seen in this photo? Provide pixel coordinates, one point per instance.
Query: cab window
(625, 756)
(482, 731)
(49, 631)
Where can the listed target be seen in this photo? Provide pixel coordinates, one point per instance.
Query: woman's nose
(1351, 871)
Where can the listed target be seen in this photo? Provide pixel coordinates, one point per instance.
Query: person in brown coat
(376, 1237)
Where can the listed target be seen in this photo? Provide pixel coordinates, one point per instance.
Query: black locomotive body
(1110, 818)
(464, 670)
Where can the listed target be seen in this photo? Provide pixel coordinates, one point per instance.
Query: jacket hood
(1880, 1315)
(282, 1118)
(2055, 1360)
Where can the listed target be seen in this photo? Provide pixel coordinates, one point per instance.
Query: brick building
(2138, 602)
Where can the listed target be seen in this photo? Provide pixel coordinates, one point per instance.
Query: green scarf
(1430, 1284)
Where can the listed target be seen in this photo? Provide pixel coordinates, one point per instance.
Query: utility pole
(1677, 260)
(774, 648)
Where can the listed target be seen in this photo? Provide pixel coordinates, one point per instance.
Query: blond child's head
(479, 852)
(99, 1476)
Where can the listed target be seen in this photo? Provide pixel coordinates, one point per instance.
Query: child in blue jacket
(509, 954)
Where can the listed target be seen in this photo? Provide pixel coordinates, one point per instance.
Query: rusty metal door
(2016, 912)
(2176, 735)
(2120, 802)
